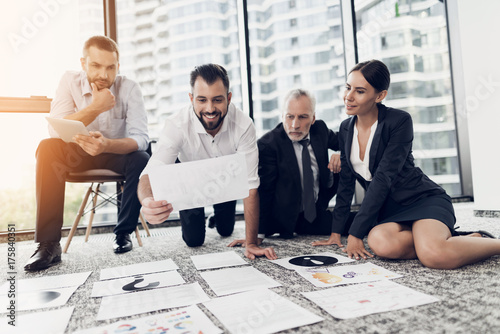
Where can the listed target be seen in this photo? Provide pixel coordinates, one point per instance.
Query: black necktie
(307, 183)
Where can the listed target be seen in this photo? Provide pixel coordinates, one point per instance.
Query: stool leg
(77, 219)
(92, 212)
(139, 240)
(144, 224)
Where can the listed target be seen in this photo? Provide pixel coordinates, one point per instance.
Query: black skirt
(436, 207)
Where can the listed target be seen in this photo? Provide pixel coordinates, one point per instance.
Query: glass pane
(162, 41)
(410, 37)
(43, 39)
(295, 44)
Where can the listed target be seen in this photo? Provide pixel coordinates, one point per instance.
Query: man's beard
(213, 125)
(102, 84)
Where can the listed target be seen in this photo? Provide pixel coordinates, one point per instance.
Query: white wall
(479, 33)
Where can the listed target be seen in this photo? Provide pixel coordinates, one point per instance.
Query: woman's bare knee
(380, 243)
(436, 257)
(432, 245)
(392, 241)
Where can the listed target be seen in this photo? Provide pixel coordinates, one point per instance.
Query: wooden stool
(96, 177)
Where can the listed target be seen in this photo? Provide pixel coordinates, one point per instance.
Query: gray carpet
(469, 297)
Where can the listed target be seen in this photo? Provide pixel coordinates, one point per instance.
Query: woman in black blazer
(404, 213)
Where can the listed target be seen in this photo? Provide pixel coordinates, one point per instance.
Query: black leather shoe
(47, 254)
(484, 234)
(122, 243)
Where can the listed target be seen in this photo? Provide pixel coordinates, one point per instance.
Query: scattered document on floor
(138, 269)
(43, 292)
(362, 299)
(150, 300)
(201, 183)
(37, 299)
(259, 311)
(136, 283)
(217, 260)
(184, 320)
(46, 322)
(339, 275)
(311, 260)
(48, 282)
(233, 280)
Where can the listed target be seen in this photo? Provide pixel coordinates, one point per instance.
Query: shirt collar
(198, 127)
(86, 89)
(225, 123)
(298, 141)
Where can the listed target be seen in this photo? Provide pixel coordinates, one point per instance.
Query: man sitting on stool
(112, 109)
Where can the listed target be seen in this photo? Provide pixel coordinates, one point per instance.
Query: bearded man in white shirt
(208, 128)
(112, 109)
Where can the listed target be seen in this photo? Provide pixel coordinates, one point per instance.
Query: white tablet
(67, 128)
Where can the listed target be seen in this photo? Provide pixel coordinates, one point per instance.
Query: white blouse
(361, 166)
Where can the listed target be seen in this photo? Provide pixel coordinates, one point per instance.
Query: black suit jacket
(393, 171)
(280, 189)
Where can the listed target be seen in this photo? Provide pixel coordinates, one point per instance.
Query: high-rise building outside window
(305, 51)
(292, 44)
(162, 41)
(410, 37)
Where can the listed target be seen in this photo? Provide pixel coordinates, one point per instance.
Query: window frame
(350, 59)
(41, 104)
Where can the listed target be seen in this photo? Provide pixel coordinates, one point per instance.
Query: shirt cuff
(253, 183)
(142, 142)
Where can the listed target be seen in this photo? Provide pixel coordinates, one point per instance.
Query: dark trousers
(55, 158)
(322, 225)
(193, 222)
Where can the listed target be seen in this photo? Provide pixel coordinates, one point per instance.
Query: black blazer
(393, 171)
(280, 189)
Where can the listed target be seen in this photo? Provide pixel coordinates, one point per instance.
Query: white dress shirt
(184, 137)
(362, 166)
(127, 119)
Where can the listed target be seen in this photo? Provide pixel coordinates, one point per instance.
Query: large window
(41, 40)
(162, 41)
(308, 44)
(295, 44)
(292, 44)
(411, 38)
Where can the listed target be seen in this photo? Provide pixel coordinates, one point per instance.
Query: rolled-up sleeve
(167, 149)
(248, 146)
(137, 120)
(63, 103)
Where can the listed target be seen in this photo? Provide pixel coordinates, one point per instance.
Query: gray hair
(294, 94)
